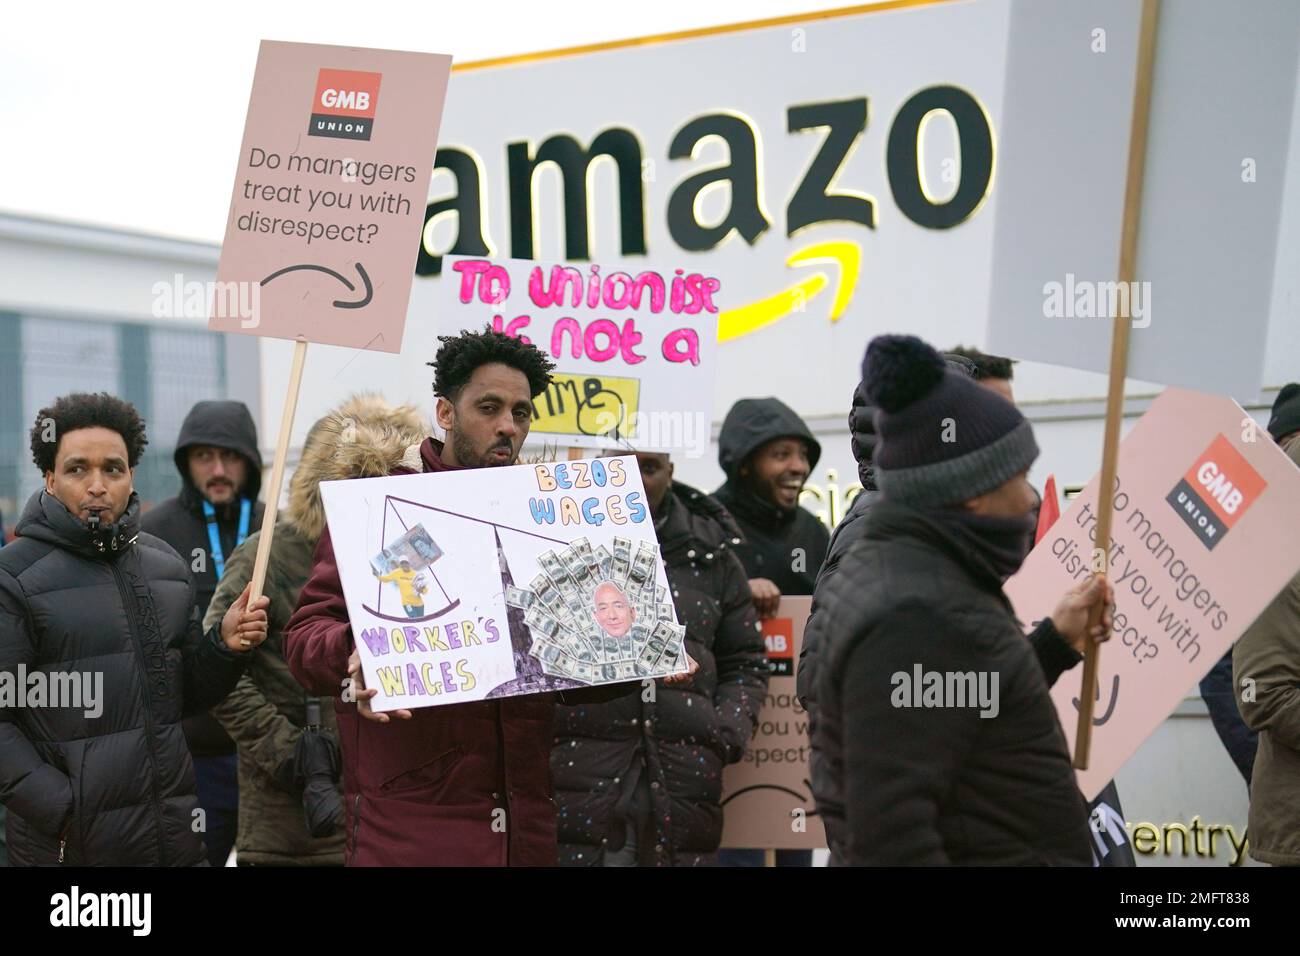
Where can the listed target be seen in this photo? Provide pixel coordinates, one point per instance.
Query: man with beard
(464, 784)
(221, 473)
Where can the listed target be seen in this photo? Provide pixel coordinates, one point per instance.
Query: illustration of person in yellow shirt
(410, 586)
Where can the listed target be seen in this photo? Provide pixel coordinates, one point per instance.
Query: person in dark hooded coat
(217, 508)
(768, 452)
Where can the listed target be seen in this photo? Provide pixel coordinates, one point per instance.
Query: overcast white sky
(131, 114)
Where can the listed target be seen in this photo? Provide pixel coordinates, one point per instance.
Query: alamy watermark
(73, 909)
(922, 688)
(53, 689)
(201, 300)
(1084, 299)
(681, 432)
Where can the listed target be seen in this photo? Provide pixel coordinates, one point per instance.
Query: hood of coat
(223, 424)
(752, 423)
(45, 518)
(365, 437)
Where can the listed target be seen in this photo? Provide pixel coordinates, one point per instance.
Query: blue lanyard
(214, 536)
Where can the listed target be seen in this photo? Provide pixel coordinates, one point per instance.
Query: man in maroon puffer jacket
(463, 784)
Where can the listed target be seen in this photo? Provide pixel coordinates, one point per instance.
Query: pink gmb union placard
(329, 199)
(1203, 538)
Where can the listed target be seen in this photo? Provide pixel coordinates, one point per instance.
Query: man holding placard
(940, 741)
(462, 784)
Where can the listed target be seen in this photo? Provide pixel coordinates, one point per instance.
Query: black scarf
(1002, 543)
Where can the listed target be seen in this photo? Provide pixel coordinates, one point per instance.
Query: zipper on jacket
(356, 807)
(129, 605)
(63, 843)
(356, 825)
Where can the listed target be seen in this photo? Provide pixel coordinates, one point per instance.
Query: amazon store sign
(834, 172)
(813, 200)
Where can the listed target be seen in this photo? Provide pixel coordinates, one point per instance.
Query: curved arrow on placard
(734, 323)
(338, 303)
(764, 786)
(1110, 708)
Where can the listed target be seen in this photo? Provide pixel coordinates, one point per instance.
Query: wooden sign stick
(277, 471)
(1137, 152)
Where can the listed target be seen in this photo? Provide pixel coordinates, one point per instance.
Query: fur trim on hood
(365, 437)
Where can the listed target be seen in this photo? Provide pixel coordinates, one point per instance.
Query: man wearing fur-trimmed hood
(268, 710)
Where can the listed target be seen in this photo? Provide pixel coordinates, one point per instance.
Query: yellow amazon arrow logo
(734, 323)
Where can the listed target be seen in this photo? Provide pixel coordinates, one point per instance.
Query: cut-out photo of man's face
(612, 610)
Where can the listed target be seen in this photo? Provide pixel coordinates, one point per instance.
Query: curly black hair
(83, 410)
(459, 355)
(986, 366)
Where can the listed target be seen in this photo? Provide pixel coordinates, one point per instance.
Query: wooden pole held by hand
(277, 471)
(1137, 152)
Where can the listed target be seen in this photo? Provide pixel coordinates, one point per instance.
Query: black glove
(322, 805)
(313, 770)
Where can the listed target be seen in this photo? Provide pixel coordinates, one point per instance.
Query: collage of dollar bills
(597, 616)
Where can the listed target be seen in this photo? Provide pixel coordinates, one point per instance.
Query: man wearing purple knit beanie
(940, 738)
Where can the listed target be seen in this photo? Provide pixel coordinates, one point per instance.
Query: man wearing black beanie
(940, 740)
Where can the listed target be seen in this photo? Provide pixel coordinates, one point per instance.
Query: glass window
(162, 370)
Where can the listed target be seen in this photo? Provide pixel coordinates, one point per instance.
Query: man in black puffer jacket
(103, 777)
(862, 441)
(638, 780)
(972, 767)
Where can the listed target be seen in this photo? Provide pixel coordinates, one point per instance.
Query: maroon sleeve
(318, 638)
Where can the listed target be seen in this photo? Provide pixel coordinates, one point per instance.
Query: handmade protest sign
(325, 219)
(634, 345)
(767, 797)
(494, 582)
(1203, 539)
